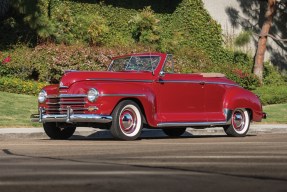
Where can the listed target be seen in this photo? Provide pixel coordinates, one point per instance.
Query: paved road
(257, 162)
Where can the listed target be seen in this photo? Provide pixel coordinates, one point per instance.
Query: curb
(90, 133)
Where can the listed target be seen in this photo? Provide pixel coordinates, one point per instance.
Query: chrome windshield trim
(121, 80)
(191, 124)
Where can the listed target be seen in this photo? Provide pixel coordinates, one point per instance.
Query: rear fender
(237, 97)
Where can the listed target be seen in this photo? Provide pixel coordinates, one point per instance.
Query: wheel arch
(237, 97)
(138, 102)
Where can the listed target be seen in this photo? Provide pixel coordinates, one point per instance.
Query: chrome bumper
(70, 118)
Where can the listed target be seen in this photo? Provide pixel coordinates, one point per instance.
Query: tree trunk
(261, 48)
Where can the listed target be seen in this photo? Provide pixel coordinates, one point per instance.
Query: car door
(180, 97)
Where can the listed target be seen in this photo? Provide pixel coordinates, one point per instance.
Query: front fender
(111, 93)
(237, 97)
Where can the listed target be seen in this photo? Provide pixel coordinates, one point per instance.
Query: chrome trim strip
(66, 103)
(66, 96)
(228, 115)
(191, 124)
(73, 118)
(72, 103)
(63, 87)
(222, 83)
(122, 80)
(122, 95)
(197, 82)
(177, 81)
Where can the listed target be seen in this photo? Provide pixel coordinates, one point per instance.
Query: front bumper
(70, 118)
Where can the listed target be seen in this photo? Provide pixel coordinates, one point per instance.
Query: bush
(145, 27)
(271, 76)
(14, 85)
(272, 94)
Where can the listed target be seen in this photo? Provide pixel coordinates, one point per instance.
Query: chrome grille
(59, 104)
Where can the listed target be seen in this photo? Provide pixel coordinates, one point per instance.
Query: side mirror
(161, 74)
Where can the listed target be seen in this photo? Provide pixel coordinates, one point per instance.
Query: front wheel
(127, 121)
(54, 131)
(240, 123)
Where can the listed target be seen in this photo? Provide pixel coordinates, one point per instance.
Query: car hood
(71, 77)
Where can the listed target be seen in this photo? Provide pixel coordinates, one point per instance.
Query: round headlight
(93, 94)
(42, 96)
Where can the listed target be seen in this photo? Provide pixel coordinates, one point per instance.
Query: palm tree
(4, 7)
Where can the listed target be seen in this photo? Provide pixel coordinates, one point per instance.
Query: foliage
(4, 8)
(191, 60)
(243, 38)
(47, 63)
(272, 94)
(14, 85)
(78, 28)
(272, 76)
(244, 79)
(145, 27)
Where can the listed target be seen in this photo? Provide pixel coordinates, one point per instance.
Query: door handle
(202, 83)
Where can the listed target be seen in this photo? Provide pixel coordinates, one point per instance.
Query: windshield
(135, 63)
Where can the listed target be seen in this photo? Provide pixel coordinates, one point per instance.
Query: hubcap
(238, 120)
(128, 120)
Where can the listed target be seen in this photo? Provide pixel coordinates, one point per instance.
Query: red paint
(163, 98)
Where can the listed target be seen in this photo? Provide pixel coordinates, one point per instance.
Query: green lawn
(276, 113)
(15, 110)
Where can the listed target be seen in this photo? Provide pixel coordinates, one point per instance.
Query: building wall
(234, 16)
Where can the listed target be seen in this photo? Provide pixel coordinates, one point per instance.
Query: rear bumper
(70, 118)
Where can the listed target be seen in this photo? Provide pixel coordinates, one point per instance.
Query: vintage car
(141, 90)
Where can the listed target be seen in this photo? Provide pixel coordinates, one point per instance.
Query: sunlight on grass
(276, 113)
(15, 110)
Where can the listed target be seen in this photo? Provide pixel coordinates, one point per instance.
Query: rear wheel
(55, 131)
(127, 121)
(174, 132)
(240, 123)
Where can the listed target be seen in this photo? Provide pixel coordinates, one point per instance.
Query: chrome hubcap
(238, 120)
(128, 121)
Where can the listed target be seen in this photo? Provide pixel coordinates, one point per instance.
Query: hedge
(14, 85)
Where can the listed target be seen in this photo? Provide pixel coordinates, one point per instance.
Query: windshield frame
(153, 67)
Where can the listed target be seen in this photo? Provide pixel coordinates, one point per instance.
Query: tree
(4, 7)
(261, 48)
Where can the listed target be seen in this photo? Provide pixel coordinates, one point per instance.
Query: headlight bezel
(42, 96)
(92, 94)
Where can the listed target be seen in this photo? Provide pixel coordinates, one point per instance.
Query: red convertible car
(141, 90)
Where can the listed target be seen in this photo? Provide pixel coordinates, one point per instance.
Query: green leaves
(145, 27)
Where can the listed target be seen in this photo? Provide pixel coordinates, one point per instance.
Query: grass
(276, 113)
(15, 110)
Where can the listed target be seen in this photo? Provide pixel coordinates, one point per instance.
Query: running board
(192, 124)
